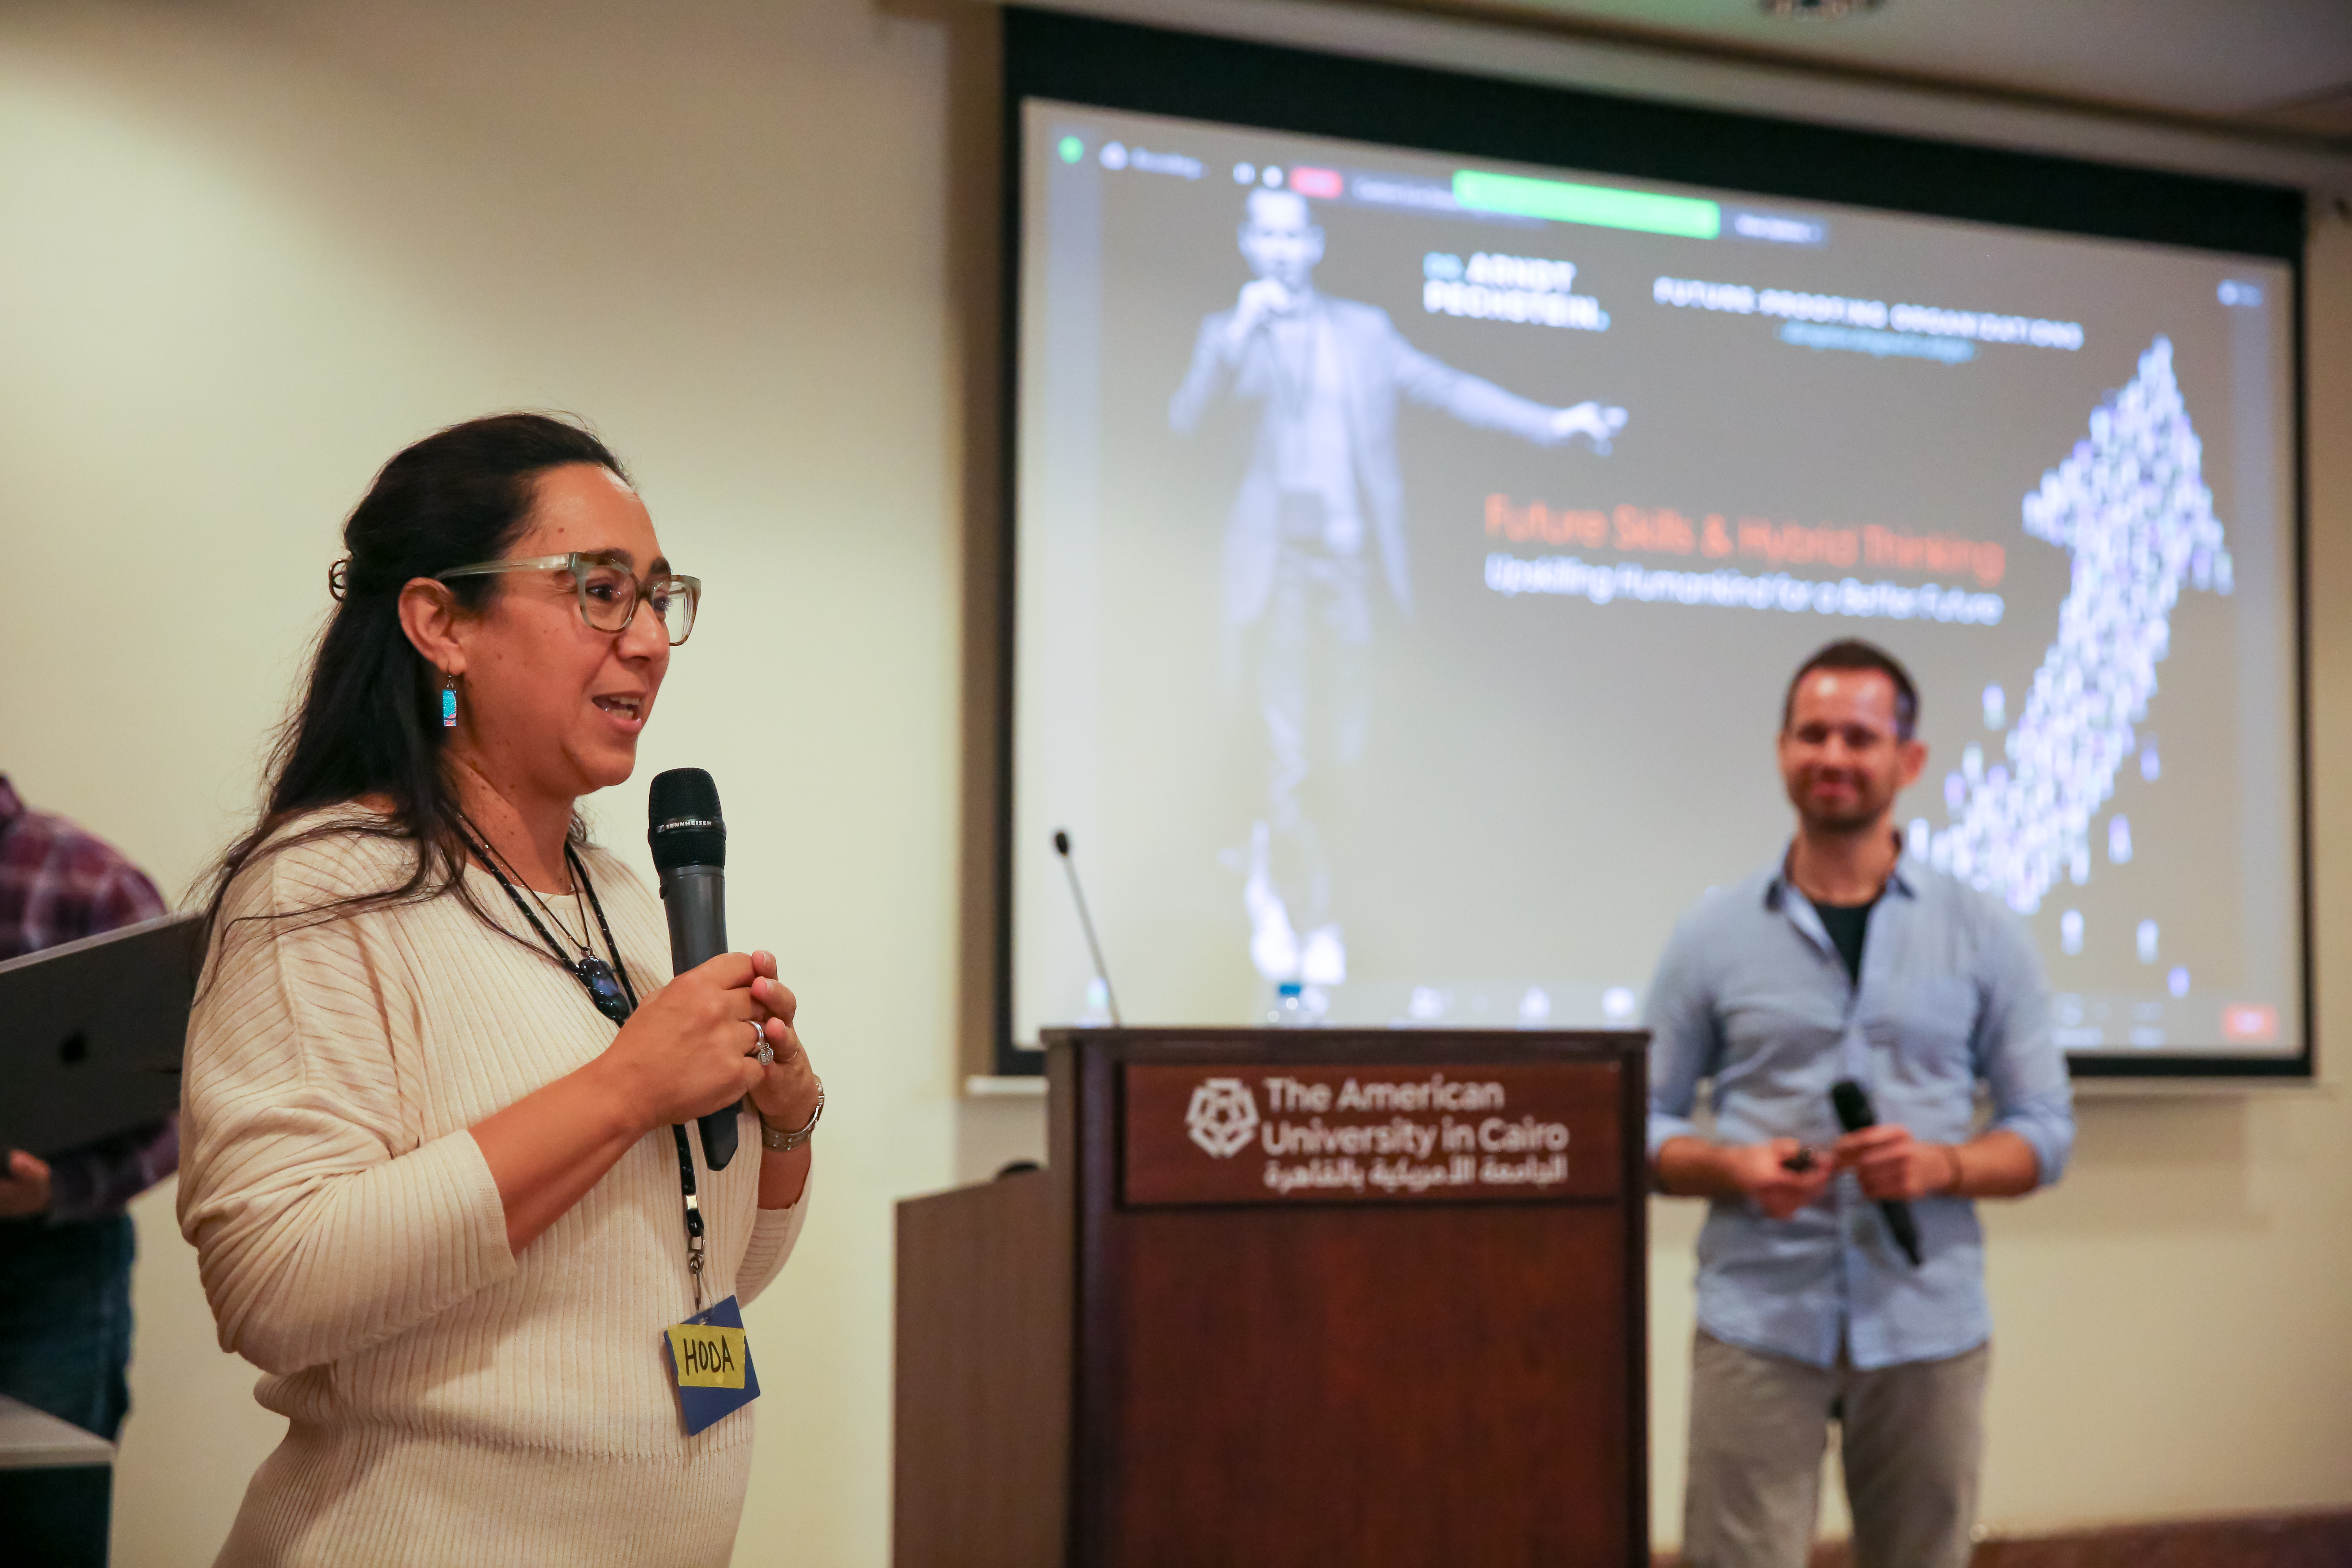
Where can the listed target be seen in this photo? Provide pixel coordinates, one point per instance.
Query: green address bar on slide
(1562, 202)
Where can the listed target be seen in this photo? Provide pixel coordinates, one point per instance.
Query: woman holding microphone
(437, 1054)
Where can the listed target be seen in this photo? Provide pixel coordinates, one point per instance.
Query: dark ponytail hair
(367, 726)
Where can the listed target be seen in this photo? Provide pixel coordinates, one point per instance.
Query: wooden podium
(1371, 1297)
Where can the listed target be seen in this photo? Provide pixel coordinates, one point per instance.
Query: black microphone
(689, 841)
(1062, 847)
(1854, 1114)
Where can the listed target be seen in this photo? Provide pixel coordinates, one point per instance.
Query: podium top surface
(34, 1440)
(1360, 1045)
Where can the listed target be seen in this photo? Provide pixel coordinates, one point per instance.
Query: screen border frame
(1123, 66)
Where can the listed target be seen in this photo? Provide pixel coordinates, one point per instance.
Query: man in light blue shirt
(1847, 960)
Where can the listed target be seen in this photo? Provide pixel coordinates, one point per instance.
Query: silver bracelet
(785, 1142)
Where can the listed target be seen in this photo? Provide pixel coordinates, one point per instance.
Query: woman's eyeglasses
(609, 593)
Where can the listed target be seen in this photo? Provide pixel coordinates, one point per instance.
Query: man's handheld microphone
(689, 841)
(1070, 867)
(1854, 1114)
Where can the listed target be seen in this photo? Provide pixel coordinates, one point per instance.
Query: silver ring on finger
(760, 1048)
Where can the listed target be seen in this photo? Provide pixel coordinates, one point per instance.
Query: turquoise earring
(450, 703)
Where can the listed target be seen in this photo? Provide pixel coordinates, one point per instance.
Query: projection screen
(1412, 550)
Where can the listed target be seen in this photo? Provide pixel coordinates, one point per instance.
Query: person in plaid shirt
(66, 1243)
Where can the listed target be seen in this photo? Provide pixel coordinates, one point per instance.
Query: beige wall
(255, 247)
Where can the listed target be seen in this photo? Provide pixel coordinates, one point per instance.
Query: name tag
(707, 1356)
(711, 1364)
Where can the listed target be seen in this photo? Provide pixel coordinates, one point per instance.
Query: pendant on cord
(603, 987)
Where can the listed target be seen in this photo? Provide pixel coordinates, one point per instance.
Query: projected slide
(1412, 556)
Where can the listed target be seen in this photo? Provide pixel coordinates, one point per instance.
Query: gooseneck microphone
(1854, 1114)
(1070, 867)
(689, 842)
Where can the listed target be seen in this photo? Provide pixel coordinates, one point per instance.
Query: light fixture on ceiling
(1817, 10)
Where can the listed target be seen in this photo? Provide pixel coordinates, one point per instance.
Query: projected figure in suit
(1322, 478)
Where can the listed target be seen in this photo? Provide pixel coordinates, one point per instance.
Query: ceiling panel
(2225, 59)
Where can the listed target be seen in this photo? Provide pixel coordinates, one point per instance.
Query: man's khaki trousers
(1910, 1437)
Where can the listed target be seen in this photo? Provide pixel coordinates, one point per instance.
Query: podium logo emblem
(1224, 1116)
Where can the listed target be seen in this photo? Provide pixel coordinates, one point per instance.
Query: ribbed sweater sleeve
(323, 1224)
(773, 1234)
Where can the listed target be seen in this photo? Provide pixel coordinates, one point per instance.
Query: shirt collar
(1778, 884)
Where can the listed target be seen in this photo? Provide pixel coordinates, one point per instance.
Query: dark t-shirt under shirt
(1847, 924)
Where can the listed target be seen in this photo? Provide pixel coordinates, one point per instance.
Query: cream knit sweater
(448, 1401)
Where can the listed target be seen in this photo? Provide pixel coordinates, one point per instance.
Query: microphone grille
(684, 825)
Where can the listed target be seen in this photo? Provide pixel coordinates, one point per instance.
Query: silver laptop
(91, 1034)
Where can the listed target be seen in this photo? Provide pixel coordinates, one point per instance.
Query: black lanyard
(611, 992)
